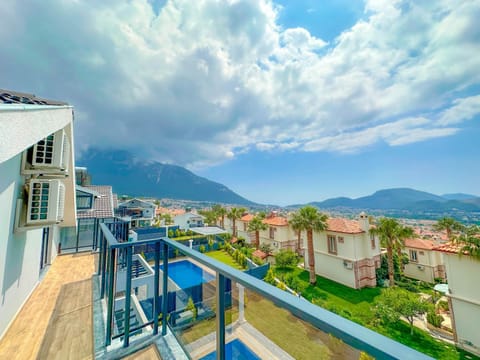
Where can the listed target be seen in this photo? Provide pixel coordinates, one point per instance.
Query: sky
(282, 101)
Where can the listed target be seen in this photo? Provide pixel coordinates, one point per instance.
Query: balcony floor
(56, 321)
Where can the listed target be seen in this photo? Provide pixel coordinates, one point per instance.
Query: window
(332, 244)
(245, 226)
(84, 202)
(372, 240)
(413, 255)
(341, 240)
(272, 233)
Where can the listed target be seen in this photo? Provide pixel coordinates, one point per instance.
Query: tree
(234, 214)
(297, 226)
(309, 219)
(392, 235)
(266, 248)
(256, 224)
(220, 211)
(210, 216)
(469, 242)
(394, 303)
(168, 218)
(286, 258)
(449, 225)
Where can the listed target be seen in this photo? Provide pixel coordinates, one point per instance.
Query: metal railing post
(156, 286)
(165, 289)
(128, 295)
(220, 316)
(111, 285)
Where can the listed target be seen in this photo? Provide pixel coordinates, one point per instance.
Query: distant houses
(188, 220)
(140, 212)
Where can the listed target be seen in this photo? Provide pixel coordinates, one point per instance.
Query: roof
(260, 254)
(345, 226)
(139, 202)
(247, 217)
(276, 221)
(449, 247)
(15, 97)
(190, 216)
(420, 244)
(102, 206)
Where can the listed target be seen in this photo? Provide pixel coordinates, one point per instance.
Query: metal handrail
(351, 333)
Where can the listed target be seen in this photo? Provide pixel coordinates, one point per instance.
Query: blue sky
(284, 102)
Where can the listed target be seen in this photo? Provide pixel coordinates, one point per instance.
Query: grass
(224, 257)
(356, 305)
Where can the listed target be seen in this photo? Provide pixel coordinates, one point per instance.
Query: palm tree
(220, 211)
(256, 224)
(392, 234)
(470, 242)
(210, 216)
(449, 225)
(296, 226)
(310, 219)
(234, 214)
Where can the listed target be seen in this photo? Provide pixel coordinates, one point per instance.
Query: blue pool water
(186, 274)
(234, 350)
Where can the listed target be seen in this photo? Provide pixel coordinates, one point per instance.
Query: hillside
(134, 177)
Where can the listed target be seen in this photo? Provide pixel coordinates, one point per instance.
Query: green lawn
(356, 306)
(224, 257)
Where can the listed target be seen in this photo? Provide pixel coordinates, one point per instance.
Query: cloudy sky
(284, 102)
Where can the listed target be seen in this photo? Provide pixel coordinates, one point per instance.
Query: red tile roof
(420, 244)
(276, 221)
(345, 226)
(247, 217)
(260, 254)
(449, 248)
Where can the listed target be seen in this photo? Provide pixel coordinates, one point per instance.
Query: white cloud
(200, 81)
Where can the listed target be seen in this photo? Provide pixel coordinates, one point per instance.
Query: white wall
(19, 253)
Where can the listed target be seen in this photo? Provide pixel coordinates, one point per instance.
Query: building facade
(424, 264)
(140, 212)
(463, 295)
(346, 252)
(37, 193)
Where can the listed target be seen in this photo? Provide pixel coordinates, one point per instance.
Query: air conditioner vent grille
(46, 202)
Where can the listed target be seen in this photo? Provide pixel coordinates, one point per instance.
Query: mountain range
(404, 199)
(131, 176)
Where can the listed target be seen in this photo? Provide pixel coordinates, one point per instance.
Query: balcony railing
(225, 309)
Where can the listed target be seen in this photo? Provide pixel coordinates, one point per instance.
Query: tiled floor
(56, 321)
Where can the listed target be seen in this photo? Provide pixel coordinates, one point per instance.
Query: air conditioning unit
(46, 202)
(348, 265)
(275, 244)
(49, 155)
(420, 267)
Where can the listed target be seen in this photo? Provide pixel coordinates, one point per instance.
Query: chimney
(363, 221)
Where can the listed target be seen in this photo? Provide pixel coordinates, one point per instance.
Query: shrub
(257, 260)
(189, 232)
(443, 305)
(270, 277)
(434, 319)
(286, 258)
(281, 285)
(171, 234)
(177, 233)
(202, 248)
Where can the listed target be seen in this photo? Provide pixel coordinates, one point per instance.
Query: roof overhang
(208, 230)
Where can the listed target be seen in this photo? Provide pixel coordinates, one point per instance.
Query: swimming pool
(186, 274)
(235, 349)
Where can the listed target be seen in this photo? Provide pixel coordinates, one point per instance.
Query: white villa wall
(331, 267)
(424, 268)
(465, 299)
(19, 253)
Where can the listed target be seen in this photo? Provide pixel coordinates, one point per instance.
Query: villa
(140, 212)
(109, 302)
(425, 263)
(463, 296)
(346, 252)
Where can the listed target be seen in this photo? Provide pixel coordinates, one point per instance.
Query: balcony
(194, 307)
(224, 312)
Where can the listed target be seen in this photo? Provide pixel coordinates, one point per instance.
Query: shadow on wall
(15, 251)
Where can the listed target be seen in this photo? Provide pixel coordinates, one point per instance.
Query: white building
(463, 296)
(346, 252)
(425, 264)
(140, 212)
(37, 192)
(188, 220)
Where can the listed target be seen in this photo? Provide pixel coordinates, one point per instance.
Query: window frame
(332, 244)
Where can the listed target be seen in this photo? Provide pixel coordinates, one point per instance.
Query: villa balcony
(209, 311)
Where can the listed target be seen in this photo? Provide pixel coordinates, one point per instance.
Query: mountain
(134, 177)
(459, 196)
(402, 199)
